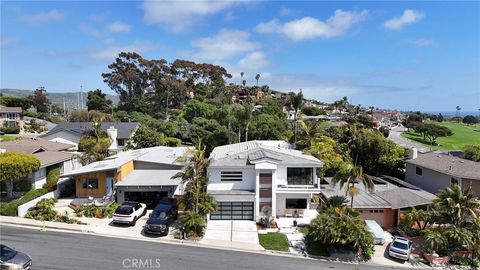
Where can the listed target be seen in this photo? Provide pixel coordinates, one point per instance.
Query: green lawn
(462, 135)
(274, 241)
(6, 138)
(313, 247)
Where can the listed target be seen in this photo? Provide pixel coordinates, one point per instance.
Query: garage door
(150, 198)
(233, 211)
(373, 214)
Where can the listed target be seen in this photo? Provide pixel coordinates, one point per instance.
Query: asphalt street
(61, 250)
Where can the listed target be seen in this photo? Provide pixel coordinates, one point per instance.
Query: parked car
(12, 259)
(400, 248)
(162, 216)
(129, 212)
(377, 232)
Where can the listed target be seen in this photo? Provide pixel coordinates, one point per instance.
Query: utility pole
(64, 111)
(81, 97)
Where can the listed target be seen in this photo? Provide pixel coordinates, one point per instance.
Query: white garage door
(373, 214)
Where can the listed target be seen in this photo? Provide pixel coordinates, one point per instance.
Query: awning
(150, 178)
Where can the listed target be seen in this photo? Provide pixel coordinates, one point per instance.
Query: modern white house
(72, 132)
(245, 177)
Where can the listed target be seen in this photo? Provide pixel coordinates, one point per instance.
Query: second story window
(300, 176)
(231, 176)
(418, 170)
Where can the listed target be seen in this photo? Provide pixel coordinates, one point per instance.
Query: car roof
(129, 203)
(163, 206)
(401, 239)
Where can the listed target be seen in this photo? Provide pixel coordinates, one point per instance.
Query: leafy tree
(419, 218)
(472, 152)
(310, 131)
(93, 149)
(145, 137)
(470, 119)
(433, 132)
(267, 127)
(195, 108)
(313, 111)
(208, 131)
(14, 166)
(440, 118)
(328, 151)
(40, 100)
(97, 100)
(9, 101)
(296, 102)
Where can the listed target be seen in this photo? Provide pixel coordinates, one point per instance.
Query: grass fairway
(6, 138)
(462, 135)
(274, 241)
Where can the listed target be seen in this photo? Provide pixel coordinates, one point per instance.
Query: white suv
(129, 212)
(400, 248)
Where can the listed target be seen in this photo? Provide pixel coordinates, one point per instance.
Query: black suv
(162, 216)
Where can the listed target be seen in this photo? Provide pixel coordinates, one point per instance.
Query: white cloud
(118, 26)
(6, 42)
(311, 28)
(112, 51)
(286, 11)
(253, 61)
(423, 42)
(90, 30)
(224, 45)
(178, 16)
(43, 17)
(409, 16)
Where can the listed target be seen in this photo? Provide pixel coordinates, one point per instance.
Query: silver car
(12, 259)
(400, 248)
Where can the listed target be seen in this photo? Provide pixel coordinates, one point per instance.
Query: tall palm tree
(348, 176)
(296, 102)
(257, 77)
(241, 78)
(456, 206)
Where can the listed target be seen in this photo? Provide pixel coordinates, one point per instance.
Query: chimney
(112, 133)
(412, 153)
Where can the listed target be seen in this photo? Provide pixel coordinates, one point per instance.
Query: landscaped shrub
(52, 178)
(43, 210)
(10, 130)
(10, 209)
(79, 210)
(96, 211)
(90, 211)
(109, 210)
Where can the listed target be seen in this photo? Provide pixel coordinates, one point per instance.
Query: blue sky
(403, 55)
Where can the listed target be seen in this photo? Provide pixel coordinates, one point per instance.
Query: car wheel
(166, 232)
(144, 212)
(133, 222)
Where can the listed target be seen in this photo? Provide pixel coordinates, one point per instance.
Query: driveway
(381, 257)
(232, 233)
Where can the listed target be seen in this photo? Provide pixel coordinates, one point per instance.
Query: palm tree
(244, 82)
(241, 78)
(456, 206)
(348, 176)
(336, 201)
(310, 130)
(296, 101)
(257, 77)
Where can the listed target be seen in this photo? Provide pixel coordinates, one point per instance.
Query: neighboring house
(245, 177)
(142, 175)
(10, 116)
(434, 171)
(50, 154)
(71, 132)
(390, 199)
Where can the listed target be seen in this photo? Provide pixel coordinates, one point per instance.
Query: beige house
(435, 171)
(10, 116)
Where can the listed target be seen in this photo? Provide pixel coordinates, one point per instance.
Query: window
(121, 142)
(299, 176)
(454, 181)
(296, 203)
(418, 170)
(90, 183)
(231, 176)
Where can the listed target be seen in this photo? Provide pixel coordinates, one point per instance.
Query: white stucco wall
(247, 183)
(280, 201)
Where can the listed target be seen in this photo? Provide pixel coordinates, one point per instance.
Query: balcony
(311, 185)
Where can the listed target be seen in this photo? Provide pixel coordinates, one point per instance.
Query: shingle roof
(388, 192)
(246, 153)
(48, 158)
(124, 129)
(447, 164)
(4, 109)
(32, 145)
(158, 154)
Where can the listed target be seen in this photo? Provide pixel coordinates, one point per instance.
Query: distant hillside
(71, 98)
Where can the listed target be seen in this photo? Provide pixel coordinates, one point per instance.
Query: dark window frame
(298, 179)
(297, 204)
(88, 181)
(418, 171)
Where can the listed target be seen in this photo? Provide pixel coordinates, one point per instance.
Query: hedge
(10, 130)
(10, 208)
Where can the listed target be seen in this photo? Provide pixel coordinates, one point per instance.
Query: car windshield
(124, 210)
(400, 245)
(159, 215)
(6, 253)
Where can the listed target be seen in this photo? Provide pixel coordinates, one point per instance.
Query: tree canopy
(97, 100)
(14, 166)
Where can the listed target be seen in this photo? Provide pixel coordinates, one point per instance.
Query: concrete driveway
(381, 256)
(232, 233)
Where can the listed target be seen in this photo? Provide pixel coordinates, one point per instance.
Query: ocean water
(454, 113)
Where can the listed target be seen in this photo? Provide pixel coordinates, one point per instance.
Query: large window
(90, 183)
(231, 176)
(296, 203)
(300, 176)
